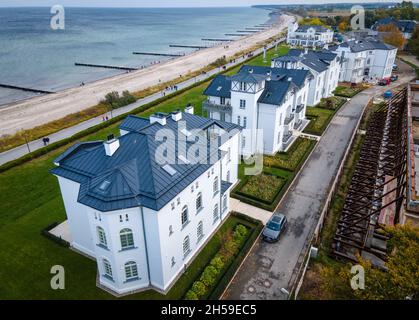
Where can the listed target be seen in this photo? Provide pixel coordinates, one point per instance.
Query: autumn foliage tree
(392, 35)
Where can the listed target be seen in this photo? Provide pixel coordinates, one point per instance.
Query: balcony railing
(221, 107)
(287, 137)
(299, 108)
(289, 119)
(298, 124)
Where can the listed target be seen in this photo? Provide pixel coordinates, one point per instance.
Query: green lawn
(331, 103)
(30, 200)
(347, 91)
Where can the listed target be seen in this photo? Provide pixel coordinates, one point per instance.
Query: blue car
(274, 228)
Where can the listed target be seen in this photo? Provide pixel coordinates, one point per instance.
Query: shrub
(217, 262)
(199, 289)
(240, 231)
(113, 100)
(191, 295)
(209, 275)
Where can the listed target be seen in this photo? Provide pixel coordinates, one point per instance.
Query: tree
(413, 45)
(312, 22)
(343, 26)
(392, 35)
(400, 281)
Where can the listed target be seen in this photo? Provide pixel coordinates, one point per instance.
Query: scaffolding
(378, 185)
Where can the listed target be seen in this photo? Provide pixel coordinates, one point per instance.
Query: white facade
(325, 79)
(362, 61)
(308, 36)
(267, 127)
(140, 248)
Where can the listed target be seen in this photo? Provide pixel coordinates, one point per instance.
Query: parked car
(384, 82)
(394, 77)
(395, 67)
(274, 228)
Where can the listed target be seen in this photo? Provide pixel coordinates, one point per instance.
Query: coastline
(38, 110)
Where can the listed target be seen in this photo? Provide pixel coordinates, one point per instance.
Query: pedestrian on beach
(107, 118)
(44, 140)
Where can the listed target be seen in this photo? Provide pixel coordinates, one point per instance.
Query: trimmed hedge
(340, 91)
(221, 272)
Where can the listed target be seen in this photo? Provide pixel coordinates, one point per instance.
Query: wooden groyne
(8, 86)
(104, 66)
(235, 34)
(246, 31)
(217, 40)
(187, 46)
(158, 54)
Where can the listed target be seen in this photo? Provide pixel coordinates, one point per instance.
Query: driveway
(269, 267)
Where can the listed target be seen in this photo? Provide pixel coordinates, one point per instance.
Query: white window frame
(126, 236)
(131, 271)
(101, 235)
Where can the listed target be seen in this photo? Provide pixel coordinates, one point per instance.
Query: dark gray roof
(365, 45)
(406, 26)
(225, 185)
(297, 76)
(275, 92)
(304, 28)
(131, 176)
(316, 60)
(248, 76)
(220, 86)
(133, 123)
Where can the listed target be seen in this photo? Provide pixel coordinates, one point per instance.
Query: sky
(167, 3)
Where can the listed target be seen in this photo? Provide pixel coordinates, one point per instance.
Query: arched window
(200, 231)
(215, 213)
(199, 202)
(127, 239)
(185, 217)
(101, 236)
(107, 268)
(186, 246)
(131, 271)
(215, 186)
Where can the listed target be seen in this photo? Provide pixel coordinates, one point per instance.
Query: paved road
(269, 267)
(68, 132)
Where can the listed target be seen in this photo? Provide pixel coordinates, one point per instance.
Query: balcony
(289, 119)
(208, 105)
(299, 109)
(298, 124)
(287, 137)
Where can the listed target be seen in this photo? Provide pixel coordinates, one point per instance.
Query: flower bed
(232, 242)
(263, 187)
(347, 91)
(291, 159)
(331, 103)
(319, 119)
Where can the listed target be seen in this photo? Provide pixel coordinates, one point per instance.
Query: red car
(384, 82)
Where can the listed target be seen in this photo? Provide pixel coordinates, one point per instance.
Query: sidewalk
(20, 151)
(249, 210)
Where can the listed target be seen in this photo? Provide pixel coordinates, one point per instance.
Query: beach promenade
(43, 109)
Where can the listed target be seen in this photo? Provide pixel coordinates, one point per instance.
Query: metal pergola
(378, 184)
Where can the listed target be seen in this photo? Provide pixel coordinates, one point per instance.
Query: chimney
(326, 46)
(158, 117)
(111, 145)
(305, 50)
(189, 109)
(176, 115)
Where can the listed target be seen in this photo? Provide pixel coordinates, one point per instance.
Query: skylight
(169, 169)
(104, 185)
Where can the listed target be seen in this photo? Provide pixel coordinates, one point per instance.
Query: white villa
(261, 99)
(323, 65)
(144, 204)
(365, 60)
(308, 35)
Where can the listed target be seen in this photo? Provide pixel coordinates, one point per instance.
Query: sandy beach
(42, 109)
